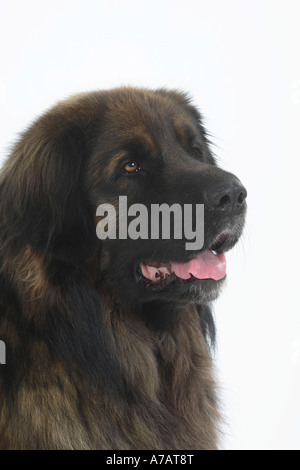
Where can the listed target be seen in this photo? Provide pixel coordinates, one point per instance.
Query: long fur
(88, 367)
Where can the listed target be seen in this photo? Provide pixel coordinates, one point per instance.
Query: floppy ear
(43, 200)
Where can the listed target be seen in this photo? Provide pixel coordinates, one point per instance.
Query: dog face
(147, 146)
(151, 147)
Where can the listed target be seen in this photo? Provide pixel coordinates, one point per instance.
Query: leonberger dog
(108, 342)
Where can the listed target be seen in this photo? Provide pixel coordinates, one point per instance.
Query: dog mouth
(206, 265)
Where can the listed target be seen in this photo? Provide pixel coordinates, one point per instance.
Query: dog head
(150, 148)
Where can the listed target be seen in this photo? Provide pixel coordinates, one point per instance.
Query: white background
(240, 61)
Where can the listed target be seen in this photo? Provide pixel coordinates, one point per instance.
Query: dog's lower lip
(173, 282)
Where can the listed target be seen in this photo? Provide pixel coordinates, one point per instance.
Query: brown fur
(89, 366)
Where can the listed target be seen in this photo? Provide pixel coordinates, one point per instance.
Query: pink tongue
(205, 266)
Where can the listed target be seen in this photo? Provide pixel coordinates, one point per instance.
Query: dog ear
(43, 199)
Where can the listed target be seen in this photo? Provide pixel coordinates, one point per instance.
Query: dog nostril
(242, 197)
(227, 195)
(224, 201)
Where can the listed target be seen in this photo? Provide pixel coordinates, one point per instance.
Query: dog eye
(131, 167)
(197, 152)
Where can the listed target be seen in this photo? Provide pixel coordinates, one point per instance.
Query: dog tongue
(206, 265)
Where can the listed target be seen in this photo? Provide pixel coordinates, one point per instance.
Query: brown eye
(197, 152)
(131, 167)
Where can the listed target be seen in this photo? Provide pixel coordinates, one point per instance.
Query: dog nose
(227, 195)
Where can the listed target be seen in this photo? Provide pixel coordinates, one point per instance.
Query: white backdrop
(240, 61)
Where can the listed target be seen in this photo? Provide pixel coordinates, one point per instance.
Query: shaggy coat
(97, 356)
